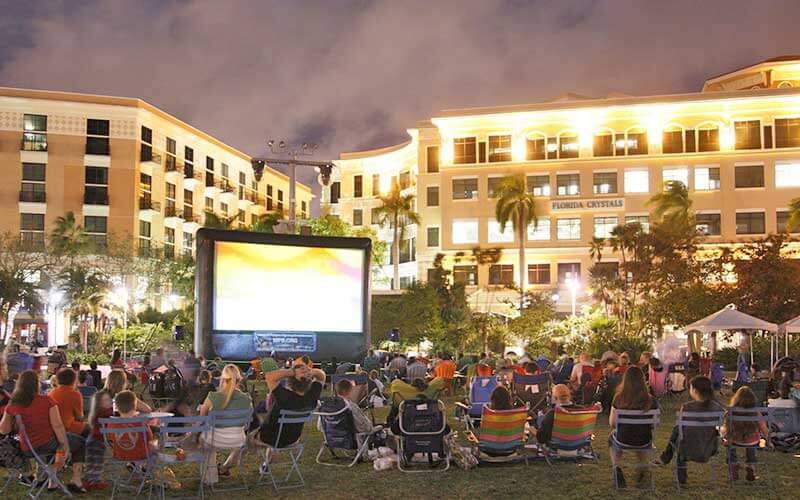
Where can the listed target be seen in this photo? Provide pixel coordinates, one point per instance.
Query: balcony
(172, 215)
(191, 222)
(192, 178)
(246, 197)
(172, 169)
(149, 160)
(259, 204)
(148, 208)
(212, 186)
(33, 196)
(228, 192)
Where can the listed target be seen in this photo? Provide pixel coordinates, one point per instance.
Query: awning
(729, 318)
(791, 326)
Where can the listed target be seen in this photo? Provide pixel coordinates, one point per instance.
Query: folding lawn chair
(227, 419)
(676, 374)
(648, 418)
(335, 421)
(44, 472)
(501, 437)
(132, 475)
(421, 428)
(479, 396)
(573, 433)
(533, 390)
(756, 415)
(691, 427)
(182, 433)
(658, 381)
(360, 382)
(294, 451)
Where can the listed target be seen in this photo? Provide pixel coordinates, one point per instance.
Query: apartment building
(123, 167)
(592, 163)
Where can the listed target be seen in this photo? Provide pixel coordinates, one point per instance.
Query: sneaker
(620, 478)
(750, 473)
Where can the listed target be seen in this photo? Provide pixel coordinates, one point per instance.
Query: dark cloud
(355, 74)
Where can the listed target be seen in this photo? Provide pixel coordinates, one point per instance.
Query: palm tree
(673, 204)
(68, 238)
(84, 291)
(397, 211)
(266, 223)
(215, 221)
(515, 204)
(596, 248)
(794, 216)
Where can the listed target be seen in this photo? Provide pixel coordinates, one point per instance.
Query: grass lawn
(587, 480)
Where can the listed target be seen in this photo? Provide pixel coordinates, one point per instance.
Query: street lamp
(55, 297)
(122, 294)
(572, 284)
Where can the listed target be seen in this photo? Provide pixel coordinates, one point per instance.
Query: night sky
(354, 74)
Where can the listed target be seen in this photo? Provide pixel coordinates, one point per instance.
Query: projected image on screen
(287, 288)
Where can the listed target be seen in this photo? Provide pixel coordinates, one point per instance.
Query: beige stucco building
(593, 163)
(123, 167)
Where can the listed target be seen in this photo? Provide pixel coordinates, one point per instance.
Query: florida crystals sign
(603, 204)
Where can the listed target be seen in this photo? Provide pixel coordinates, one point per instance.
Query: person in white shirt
(577, 369)
(362, 423)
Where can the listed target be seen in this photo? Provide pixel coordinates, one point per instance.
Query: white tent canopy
(729, 318)
(791, 326)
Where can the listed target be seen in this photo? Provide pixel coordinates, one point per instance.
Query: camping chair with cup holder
(335, 421)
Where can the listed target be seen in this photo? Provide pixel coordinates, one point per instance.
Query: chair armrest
(461, 405)
(377, 428)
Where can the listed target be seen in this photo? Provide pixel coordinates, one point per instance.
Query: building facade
(123, 167)
(592, 164)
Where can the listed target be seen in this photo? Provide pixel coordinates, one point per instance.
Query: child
(102, 407)
(133, 446)
(698, 443)
(344, 389)
(744, 433)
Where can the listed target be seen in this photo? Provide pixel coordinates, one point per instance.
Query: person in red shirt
(446, 369)
(130, 446)
(69, 402)
(42, 422)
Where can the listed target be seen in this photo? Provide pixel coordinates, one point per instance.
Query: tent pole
(751, 348)
(771, 353)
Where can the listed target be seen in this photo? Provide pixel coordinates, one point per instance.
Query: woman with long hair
(500, 399)
(116, 360)
(228, 397)
(116, 382)
(43, 426)
(632, 394)
(743, 433)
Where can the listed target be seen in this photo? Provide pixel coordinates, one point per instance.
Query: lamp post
(281, 147)
(122, 294)
(572, 284)
(55, 300)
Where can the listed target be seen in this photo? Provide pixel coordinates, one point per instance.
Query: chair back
(360, 383)
(231, 418)
(174, 430)
(121, 434)
(480, 393)
(657, 381)
(677, 377)
(532, 389)
(502, 432)
(747, 415)
(292, 417)
(649, 418)
(23, 436)
(422, 423)
(573, 427)
(335, 421)
(697, 433)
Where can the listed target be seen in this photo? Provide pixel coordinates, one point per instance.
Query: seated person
(699, 443)
(530, 368)
(302, 391)
(505, 371)
(562, 398)
(402, 391)
(97, 377)
(376, 381)
(482, 369)
(500, 399)
(130, 446)
(362, 424)
(584, 365)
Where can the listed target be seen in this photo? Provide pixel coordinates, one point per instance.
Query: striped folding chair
(573, 433)
(294, 451)
(130, 474)
(44, 473)
(501, 436)
(749, 415)
(694, 422)
(649, 418)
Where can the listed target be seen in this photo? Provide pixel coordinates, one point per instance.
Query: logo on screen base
(285, 342)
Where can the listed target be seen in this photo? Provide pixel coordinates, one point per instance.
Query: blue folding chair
(44, 473)
(753, 415)
(479, 396)
(228, 419)
(182, 433)
(129, 474)
(649, 418)
(694, 421)
(294, 451)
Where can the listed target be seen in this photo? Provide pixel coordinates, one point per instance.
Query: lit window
(706, 178)
(569, 271)
(501, 274)
(465, 231)
(465, 189)
(672, 140)
(749, 176)
(642, 220)
(708, 138)
(636, 143)
(535, 148)
(539, 185)
(603, 144)
(787, 132)
(603, 226)
(497, 236)
(676, 174)
(539, 274)
(637, 181)
(748, 134)
(542, 230)
(568, 229)
(787, 174)
(605, 183)
(708, 224)
(499, 148)
(464, 150)
(465, 275)
(568, 184)
(568, 146)
(494, 186)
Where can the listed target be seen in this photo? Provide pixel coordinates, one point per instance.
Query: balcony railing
(148, 154)
(189, 172)
(148, 204)
(34, 141)
(33, 196)
(251, 196)
(171, 164)
(172, 212)
(188, 216)
(226, 186)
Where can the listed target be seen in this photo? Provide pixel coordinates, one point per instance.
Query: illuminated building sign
(587, 205)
